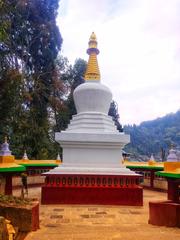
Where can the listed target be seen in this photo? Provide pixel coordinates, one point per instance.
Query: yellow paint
(6, 159)
(16, 163)
(172, 167)
(145, 164)
(25, 160)
(92, 70)
(37, 161)
(152, 163)
(58, 161)
(10, 230)
(8, 165)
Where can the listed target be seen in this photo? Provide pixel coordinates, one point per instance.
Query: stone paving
(87, 222)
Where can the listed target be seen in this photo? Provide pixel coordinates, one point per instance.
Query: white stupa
(25, 156)
(4, 150)
(92, 171)
(91, 143)
(172, 157)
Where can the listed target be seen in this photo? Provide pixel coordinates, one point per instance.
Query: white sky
(139, 43)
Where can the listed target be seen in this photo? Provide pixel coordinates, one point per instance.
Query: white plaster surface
(92, 97)
(91, 143)
(63, 169)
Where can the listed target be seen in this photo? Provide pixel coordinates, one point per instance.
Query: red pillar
(173, 190)
(8, 185)
(152, 178)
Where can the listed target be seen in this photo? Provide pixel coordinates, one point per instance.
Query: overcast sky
(139, 43)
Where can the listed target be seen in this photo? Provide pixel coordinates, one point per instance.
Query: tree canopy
(113, 112)
(154, 136)
(29, 43)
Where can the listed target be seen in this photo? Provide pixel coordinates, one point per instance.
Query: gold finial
(93, 41)
(92, 70)
(93, 37)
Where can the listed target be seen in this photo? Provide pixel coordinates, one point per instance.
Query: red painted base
(164, 213)
(92, 189)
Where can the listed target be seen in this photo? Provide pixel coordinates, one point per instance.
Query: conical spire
(58, 157)
(152, 158)
(92, 71)
(25, 157)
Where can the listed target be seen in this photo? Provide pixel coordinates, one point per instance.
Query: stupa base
(92, 189)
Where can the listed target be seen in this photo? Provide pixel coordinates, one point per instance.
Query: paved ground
(78, 222)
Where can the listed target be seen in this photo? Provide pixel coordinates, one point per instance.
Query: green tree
(155, 136)
(77, 75)
(113, 112)
(29, 44)
(71, 77)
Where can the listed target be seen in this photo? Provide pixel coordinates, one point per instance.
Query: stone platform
(98, 222)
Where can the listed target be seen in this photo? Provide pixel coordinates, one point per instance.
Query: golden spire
(92, 70)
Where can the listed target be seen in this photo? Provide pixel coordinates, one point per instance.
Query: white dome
(92, 97)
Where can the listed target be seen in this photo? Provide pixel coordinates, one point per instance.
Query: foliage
(29, 44)
(12, 200)
(78, 72)
(113, 112)
(71, 77)
(154, 136)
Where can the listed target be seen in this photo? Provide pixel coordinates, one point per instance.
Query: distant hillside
(153, 136)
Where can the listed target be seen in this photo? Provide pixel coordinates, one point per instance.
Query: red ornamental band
(92, 189)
